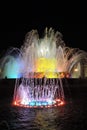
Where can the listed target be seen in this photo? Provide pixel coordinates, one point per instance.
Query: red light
(61, 103)
(58, 100)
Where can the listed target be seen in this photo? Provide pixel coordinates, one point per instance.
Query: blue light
(12, 68)
(32, 103)
(44, 103)
(40, 103)
(50, 102)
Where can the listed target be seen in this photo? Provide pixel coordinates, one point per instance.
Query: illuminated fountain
(38, 92)
(39, 66)
(39, 85)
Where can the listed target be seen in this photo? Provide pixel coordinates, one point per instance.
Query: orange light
(58, 100)
(61, 103)
(15, 103)
(75, 69)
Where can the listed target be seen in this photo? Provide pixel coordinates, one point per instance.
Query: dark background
(16, 19)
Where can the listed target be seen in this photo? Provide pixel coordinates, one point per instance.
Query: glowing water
(47, 57)
(38, 92)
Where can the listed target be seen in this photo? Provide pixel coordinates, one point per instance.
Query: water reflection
(41, 118)
(71, 116)
(38, 119)
(46, 119)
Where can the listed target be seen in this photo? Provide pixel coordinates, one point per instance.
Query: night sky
(17, 21)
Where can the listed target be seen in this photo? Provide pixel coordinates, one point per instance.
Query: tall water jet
(39, 85)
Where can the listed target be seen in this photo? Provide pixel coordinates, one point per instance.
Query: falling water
(38, 92)
(38, 67)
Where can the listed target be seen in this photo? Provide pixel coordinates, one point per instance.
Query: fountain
(38, 67)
